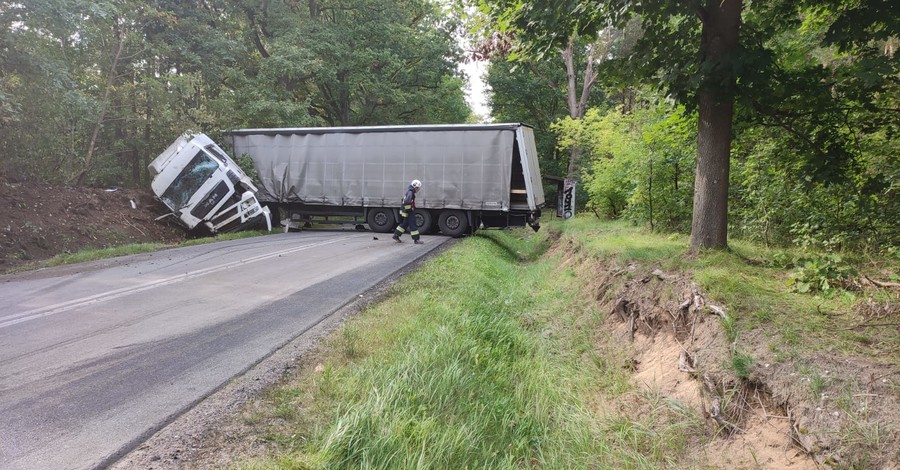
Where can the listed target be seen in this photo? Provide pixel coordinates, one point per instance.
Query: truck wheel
(453, 223)
(380, 219)
(424, 221)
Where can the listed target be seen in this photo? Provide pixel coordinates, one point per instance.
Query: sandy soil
(772, 421)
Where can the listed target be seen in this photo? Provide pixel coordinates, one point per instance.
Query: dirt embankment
(39, 221)
(767, 415)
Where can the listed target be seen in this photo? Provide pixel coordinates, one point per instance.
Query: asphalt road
(96, 357)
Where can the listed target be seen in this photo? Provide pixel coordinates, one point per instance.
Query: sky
(476, 92)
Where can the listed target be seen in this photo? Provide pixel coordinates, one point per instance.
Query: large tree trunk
(577, 103)
(134, 154)
(721, 25)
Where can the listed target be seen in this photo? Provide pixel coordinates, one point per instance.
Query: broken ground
(39, 221)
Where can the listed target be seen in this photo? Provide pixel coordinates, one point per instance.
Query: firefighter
(408, 214)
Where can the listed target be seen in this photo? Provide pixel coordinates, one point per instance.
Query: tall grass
(486, 357)
(466, 388)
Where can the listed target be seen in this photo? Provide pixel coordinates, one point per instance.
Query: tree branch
(257, 40)
(569, 58)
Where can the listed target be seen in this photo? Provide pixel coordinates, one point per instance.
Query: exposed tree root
(883, 284)
(715, 408)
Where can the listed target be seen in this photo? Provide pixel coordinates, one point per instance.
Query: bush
(823, 274)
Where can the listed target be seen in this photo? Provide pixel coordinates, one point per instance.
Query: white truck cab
(203, 187)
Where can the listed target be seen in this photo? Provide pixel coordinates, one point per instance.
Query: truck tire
(453, 223)
(380, 219)
(424, 221)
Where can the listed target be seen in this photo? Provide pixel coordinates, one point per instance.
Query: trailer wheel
(453, 223)
(380, 219)
(424, 221)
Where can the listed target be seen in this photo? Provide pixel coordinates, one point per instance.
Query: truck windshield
(189, 181)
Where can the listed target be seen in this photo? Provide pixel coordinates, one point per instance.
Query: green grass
(741, 364)
(750, 284)
(486, 357)
(93, 254)
(769, 319)
(469, 388)
(492, 355)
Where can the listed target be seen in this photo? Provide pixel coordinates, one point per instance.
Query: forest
(91, 91)
(774, 121)
(727, 296)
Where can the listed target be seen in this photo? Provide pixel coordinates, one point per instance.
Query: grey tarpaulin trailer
(472, 175)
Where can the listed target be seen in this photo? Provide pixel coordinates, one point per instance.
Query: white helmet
(416, 184)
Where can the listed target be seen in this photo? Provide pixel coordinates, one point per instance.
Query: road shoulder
(211, 433)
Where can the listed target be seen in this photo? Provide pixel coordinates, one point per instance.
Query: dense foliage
(524, 95)
(91, 91)
(814, 155)
(641, 162)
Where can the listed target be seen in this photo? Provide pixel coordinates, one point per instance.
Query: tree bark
(650, 192)
(571, 97)
(578, 103)
(719, 42)
(148, 128)
(134, 151)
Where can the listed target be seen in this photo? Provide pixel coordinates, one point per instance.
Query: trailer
(204, 188)
(473, 176)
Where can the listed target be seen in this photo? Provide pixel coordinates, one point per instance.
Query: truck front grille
(210, 201)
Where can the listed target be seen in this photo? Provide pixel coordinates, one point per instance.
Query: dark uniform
(408, 215)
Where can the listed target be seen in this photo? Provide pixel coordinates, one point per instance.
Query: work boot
(419, 242)
(397, 239)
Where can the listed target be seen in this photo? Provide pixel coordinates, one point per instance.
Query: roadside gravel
(212, 434)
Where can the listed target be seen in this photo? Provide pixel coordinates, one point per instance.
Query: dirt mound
(39, 221)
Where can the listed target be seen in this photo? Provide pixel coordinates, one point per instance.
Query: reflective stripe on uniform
(403, 214)
(415, 234)
(401, 229)
(408, 206)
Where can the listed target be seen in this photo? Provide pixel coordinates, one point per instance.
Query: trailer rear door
(530, 169)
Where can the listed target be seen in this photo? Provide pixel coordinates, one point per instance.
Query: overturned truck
(204, 188)
(473, 176)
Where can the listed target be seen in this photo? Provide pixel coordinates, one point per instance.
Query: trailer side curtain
(464, 169)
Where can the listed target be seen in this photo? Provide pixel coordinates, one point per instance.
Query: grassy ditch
(486, 357)
(499, 354)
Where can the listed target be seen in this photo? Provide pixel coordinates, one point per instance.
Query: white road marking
(115, 294)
